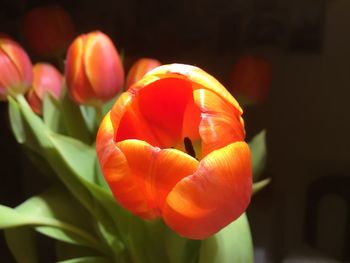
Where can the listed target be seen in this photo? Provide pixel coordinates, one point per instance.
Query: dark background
(305, 210)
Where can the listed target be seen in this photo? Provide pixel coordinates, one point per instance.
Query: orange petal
(140, 175)
(220, 122)
(117, 172)
(139, 69)
(20, 60)
(129, 122)
(161, 113)
(197, 76)
(9, 75)
(215, 195)
(163, 104)
(34, 101)
(155, 171)
(103, 66)
(78, 84)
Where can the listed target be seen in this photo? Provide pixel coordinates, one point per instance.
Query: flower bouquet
(153, 171)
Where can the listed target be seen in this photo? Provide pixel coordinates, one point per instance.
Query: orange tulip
(139, 69)
(15, 68)
(94, 72)
(48, 30)
(173, 147)
(251, 78)
(46, 78)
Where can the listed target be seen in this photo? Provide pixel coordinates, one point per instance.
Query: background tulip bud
(15, 68)
(46, 78)
(139, 69)
(94, 72)
(48, 30)
(251, 78)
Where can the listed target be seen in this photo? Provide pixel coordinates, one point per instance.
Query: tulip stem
(99, 115)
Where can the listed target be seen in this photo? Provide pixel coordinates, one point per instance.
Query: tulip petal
(162, 113)
(139, 69)
(79, 85)
(46, 78)
(163, 104)
(197, 76)
(9, 74)
(20, 60)
(216, 194)
(140, 175)
(103, 66)
(129, 122)
(34, 101)
(220, 124)
(117, 172)
(154, 172)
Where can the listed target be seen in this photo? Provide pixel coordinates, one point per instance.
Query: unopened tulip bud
(139, 69)
(46, 78)
(94, 72)
(15, 68)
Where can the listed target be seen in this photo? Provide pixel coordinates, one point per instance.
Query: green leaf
(16, 121)
(35, 130)
(98, 201)
(11, 218)
(52, 114)
(77, 155)
(89, 115)
(258, 186)
(60, 205)
(180, 249)
(74, 120)
(87, 260)
(231, 244)
(108, 105)
(99, 178)
(66, 251)
(258, 152)
(40, 163)
(53, 214)
(22, 244)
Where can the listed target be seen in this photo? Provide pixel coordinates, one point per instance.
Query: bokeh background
(305, 211)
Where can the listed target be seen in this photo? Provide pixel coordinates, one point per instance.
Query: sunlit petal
(216, 194)
(78, 84)
(140, 175)
(220, 122)
(102, 65)
(197, 76)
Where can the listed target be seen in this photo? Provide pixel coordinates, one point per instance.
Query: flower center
(189, 147)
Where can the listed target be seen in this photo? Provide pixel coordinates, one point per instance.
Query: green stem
(99, 115)
(74, 120)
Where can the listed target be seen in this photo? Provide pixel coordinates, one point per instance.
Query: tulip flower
(172, 147)
(139, 69)
(94, 72)
(46, 78)
(15, 68)
(251, 78)
(48, 30)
